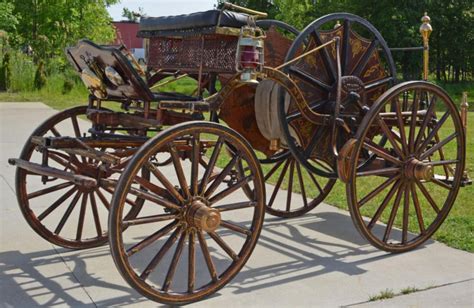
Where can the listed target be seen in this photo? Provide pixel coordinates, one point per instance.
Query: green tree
(131, 15)
(49, 26)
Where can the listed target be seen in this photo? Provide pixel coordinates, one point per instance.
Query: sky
(161, 7)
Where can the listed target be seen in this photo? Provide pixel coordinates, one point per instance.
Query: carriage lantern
(249, 59)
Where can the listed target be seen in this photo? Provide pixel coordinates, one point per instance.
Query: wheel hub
(203, 217)
(416, 169)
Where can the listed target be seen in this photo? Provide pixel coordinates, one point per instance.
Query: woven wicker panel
(217, 53)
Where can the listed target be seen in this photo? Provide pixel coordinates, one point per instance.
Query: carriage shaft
(81, 180)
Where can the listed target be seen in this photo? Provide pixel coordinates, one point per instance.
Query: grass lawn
(458, 229)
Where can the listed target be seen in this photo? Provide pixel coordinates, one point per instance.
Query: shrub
(5, 73)
(40, 76)
(67, 86)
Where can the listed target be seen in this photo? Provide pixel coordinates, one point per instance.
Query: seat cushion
(194, 20)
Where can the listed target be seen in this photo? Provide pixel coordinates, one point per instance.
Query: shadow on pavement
(303, 257)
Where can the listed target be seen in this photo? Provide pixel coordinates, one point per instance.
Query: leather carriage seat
(195, 20)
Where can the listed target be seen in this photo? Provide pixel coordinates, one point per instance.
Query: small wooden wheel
(77, 216)
(367, 70)
(203, 212)
(415, 177)
(287, 172)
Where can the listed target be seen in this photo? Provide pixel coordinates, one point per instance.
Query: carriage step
(80, 180)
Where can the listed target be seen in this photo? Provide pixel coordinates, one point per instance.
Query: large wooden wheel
(415, 177)
(203, 212)
(367, 70)
(62, 212)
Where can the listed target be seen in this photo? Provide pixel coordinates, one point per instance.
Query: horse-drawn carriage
(185, 198)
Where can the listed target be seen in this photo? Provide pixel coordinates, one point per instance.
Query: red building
(127, 34)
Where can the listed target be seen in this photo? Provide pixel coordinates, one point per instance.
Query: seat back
(89, 58)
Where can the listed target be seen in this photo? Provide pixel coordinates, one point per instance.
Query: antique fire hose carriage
(185, 198)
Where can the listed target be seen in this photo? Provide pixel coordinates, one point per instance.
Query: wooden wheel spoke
(315, 139)
(406, 212)
(289, 192)
(425, 122)
(49, 190)
(328, 63)
(148, 219)
(298, 72)
(95, 213)
(315, 182)
(388, 133)
(235, 206)
(174, 262)
(377, 83)
(278, 183)
(442, 162)
(75, 125)
(151, 187)
(379, 151)
(401, 128)
(77, 133)
(441, 184)
(154, 198)
(234, 227)
(377, 190)
(411, 137)
(82, 214)
(427, 196)
(179, 172)
(103, 199)
(163, 250)
(345, 47)
(225, 172)
(300, 180)
(273, 170)
(224, 245)
(151, 238)
(111, 191)
(55, 132)
(221, 195)
(393, 213)
(211, 164)
(56, 204)
(438, 146)
(325, 168)
(419, 215)
(359, 69)
(191, 262)
(433, 132)
(60, 160)
(383, 205)
(68, 212)
(195, 156)
(162, 178)
(207, 256)
(293, 116)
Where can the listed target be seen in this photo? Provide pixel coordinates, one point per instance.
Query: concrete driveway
(318, 259)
